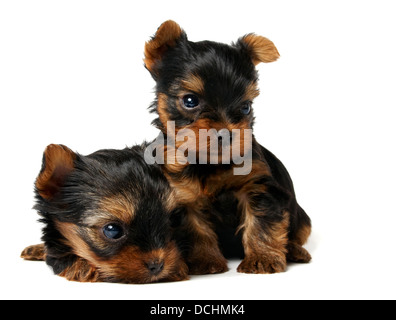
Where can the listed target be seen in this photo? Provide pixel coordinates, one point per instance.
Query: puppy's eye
(246, 108)
(190, 101)
(113, 231)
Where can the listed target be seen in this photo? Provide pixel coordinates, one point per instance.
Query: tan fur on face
(73, 239)
(128, 266)
(162, 110)
(195, 143)
(193, 83)
(120, 207)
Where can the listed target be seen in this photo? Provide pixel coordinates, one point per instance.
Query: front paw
(297, 253)
(34, 253)
(208, 266)
(81, 270)
(180, 274)
(263, 264)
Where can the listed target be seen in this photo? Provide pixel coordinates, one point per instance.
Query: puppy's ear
(58, 163)
(166, 37)
(259, 48)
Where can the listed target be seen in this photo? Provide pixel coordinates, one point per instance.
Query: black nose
(155, 267)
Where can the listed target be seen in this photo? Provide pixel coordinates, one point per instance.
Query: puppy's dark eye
(190, 101)
(113, 231)
(246, 108)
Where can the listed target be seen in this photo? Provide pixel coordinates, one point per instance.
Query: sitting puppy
(106, 218)
(206, 86)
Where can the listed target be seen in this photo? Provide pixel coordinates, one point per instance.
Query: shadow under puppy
(106, 218)
(208, 85)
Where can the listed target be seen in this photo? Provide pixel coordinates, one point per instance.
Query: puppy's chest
(207, 185)
(197, 190)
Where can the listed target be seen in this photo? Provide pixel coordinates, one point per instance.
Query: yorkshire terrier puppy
(106, 218)
(207, 85)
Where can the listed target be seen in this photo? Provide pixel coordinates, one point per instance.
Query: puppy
(204, 86)
(106, 218)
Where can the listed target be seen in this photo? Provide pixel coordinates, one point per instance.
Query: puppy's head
(111, 209)
(205, 85)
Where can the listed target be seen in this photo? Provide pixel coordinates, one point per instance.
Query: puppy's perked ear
(166, 37)
(259, 48)
(58, 163)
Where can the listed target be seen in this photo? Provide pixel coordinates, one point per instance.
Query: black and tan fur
(106, 218)
(255, 216)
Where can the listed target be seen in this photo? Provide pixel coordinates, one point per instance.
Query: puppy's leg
(265, 226)
(205, 256)
(296, 253)
(34, 253)
(265, 244)
(80, 270)
(299, 236)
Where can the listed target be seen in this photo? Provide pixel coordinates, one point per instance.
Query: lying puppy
(106, 218)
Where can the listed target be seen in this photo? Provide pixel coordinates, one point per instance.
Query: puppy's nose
(155, 267)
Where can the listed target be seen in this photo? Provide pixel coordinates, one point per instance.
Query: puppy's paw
(296, 253)
(208, 266)
(180, 274)
(34, 253)
(81, 270)
(263, 264)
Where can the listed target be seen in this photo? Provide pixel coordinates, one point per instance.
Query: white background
(71, 72)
